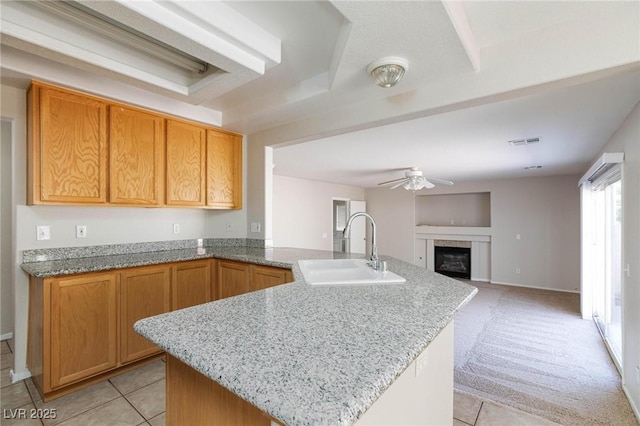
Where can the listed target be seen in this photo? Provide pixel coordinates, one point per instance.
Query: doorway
(356, 243)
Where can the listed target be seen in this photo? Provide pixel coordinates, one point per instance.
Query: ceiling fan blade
(427, 184)
(440, 181)
(399, 184)
(392, 181)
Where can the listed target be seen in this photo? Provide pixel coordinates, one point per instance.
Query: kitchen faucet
(374, 261)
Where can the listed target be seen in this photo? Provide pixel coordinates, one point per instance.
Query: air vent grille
(523, 142)
(533, 167)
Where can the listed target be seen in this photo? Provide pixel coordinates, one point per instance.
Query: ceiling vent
(533, 167)
(522, 142)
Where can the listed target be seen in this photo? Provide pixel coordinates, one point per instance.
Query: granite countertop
(312, 355)
(279, 257)
(304, 354)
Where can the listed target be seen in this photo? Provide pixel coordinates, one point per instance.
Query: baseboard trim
(6, 336)
(482, 280)
(17, 377)
(534, 287)
(634, 407)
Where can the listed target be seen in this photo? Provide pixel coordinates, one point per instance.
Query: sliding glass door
(607, 266)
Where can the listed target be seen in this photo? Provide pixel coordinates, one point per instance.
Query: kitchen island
(299, 354)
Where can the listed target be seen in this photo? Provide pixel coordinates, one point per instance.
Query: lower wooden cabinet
(144, 292)
(235, 278)
(266, 276)
(191, 283)
(82, 317)
(81, 326)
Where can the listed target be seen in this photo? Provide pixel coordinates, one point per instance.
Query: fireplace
(453, 261)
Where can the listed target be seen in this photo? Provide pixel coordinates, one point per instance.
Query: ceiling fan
(413, 180)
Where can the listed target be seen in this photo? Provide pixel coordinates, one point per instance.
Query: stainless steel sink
(345, 271)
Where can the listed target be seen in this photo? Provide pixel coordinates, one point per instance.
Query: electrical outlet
(81, 231)
(176, 228)
(255, 226)
(43, 232)
(229, 227)
(199, 242)
(517, 270)
(421, 362)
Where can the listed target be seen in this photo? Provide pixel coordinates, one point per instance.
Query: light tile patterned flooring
(138, 398)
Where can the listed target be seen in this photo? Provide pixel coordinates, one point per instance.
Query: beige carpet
(531, 350)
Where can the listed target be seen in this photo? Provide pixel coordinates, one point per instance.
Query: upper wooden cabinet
(224, 170)
(67, 148)
(136, 157)
(85, 150)
(186, 162)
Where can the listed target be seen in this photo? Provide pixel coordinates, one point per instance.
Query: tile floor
(138, 398)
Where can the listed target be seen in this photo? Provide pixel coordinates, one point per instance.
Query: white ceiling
(293, 76)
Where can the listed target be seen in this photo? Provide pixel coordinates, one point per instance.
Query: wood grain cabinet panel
(186, 162)
(136, 157)
(144, 292)
(266, 276)
(234, 278)
(83, 316)
(191, 283)
(67, 147)
(224, 170)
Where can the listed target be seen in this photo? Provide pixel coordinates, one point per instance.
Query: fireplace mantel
(458, 233)
(480, 238)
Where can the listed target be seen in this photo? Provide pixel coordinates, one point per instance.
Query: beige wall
(627, 140)
(303, 211)
(6, 280)
(105, 225)
(544, 211)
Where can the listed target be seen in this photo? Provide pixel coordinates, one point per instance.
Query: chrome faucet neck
(374, 261)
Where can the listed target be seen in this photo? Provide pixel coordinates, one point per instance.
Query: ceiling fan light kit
(413, 181)
(387, 72)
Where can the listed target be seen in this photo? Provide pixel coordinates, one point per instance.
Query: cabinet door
(136, 157)
(82, 315)
(144, 292)
(67, 144)
(234, 278)
(224, 170)
(186, 160)
(266, 276)
(191, 283)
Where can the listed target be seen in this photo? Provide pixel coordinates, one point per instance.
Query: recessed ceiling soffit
(235, 49)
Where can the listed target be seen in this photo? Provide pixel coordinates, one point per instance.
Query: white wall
(627, 139)
(303, 211)
(105, 225)
(544, 211)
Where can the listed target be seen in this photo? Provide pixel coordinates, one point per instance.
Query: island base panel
(423, 393)
(194, 399)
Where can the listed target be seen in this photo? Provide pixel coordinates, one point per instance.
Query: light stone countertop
(312, 355)
(304, 354)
